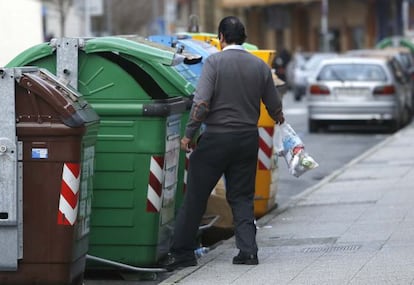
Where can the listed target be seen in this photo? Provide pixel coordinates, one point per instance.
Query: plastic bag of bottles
(288, 144)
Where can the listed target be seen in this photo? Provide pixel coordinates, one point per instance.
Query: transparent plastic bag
(288, 144)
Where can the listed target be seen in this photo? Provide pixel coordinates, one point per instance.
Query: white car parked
(359, 90)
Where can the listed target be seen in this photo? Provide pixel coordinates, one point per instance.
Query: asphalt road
(331, 148)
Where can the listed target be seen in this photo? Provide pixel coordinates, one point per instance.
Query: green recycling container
(142, 101)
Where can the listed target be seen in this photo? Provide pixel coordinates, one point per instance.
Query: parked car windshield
(352, 72)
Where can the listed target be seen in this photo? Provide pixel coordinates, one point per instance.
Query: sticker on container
(39, 153)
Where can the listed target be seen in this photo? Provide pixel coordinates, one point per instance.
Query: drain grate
(332, 248)
(277, 241)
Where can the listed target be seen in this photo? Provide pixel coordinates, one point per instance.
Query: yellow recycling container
(266, 174)
(213, 40)
(266, 54)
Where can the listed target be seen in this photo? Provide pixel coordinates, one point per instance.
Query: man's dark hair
(233, 30)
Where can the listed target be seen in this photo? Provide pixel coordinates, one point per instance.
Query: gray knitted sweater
(229, 91)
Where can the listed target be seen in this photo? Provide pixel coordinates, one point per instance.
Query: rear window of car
(352, 72)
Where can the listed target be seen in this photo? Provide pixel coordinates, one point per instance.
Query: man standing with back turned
(227, 102)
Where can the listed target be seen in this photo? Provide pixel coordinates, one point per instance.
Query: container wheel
(408, 115)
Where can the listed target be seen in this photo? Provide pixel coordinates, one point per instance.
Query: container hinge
(67, 50)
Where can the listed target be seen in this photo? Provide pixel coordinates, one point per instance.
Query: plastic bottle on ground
(199, 252)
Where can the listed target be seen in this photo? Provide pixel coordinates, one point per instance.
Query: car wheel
(408, 115)
(297, 95)
(313, 126)
(394, 126)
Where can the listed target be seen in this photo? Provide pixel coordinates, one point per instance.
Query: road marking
(295, 111)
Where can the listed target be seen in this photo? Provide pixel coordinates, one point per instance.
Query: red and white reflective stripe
(187, 162)
(154, 192)
(69, 194)
(265, 147)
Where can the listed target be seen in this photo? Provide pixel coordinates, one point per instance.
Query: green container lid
(100, 59)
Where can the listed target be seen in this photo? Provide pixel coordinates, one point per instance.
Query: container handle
(122, 265)
(210, 224)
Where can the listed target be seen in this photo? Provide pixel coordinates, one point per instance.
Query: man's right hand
(280, 118)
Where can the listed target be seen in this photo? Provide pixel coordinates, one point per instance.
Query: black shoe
(243, 258)
(171, 262)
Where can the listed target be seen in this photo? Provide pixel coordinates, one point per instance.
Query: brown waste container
(56, 133)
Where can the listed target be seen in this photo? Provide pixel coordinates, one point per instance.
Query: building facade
(308, 25)
(299, 24)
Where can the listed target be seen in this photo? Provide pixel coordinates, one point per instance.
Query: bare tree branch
(63, 7)
(127, 16)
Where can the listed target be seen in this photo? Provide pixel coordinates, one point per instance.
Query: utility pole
(108, 17)
(155, 28)
(324, 25)
(405, 17)
(170, 15)
(87, 19)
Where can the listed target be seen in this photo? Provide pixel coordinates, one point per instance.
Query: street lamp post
(405, 17)
(170, 15)
(324, 25)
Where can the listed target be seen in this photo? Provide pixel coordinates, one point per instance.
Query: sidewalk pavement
(354, 227)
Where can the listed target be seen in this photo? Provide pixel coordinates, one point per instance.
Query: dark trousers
(234, 155)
